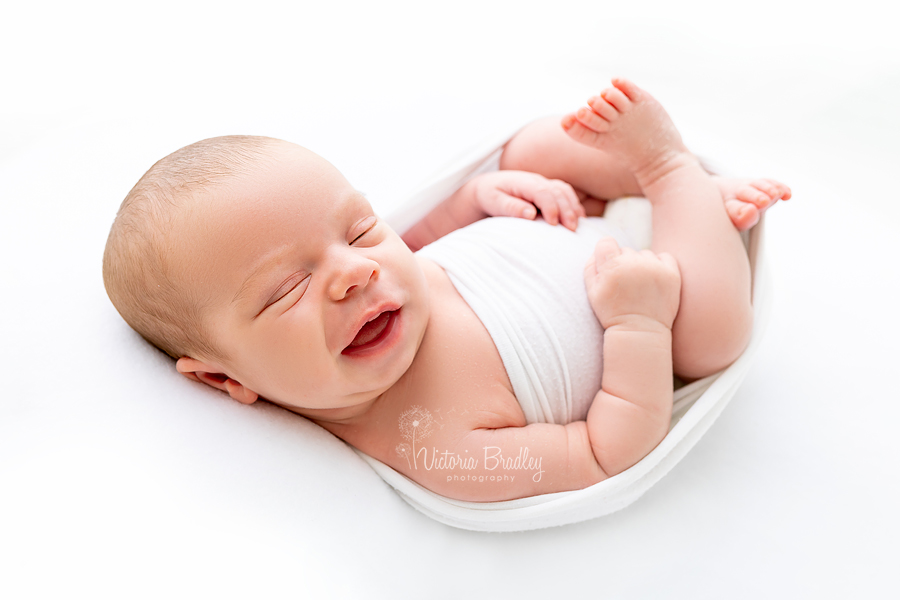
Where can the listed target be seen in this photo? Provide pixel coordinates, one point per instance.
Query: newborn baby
(256, 265)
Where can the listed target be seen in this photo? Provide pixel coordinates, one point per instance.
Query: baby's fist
(623, 283)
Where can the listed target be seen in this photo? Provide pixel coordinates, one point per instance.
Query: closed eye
(369, 225)
(288, 289)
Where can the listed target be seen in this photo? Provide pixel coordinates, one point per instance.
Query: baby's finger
(579, 207)
(606, 249)
(548, 202)
(574, 208)
(590, 268)
(558, 199)
(670, 262)
(504, 205)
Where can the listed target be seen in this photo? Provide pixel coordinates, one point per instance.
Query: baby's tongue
(371, 330)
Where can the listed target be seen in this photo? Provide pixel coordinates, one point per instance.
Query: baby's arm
(635, 296)
(499, 193)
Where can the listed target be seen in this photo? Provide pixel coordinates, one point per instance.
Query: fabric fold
(525, 282)
(696, 405)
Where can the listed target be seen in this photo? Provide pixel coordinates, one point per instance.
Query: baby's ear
(205, 373)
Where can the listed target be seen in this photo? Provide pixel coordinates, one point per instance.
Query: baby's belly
(524, 281)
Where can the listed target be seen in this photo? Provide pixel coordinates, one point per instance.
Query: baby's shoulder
(457, 383)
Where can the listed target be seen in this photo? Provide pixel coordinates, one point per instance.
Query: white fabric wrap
(525, 282)
(696, 405)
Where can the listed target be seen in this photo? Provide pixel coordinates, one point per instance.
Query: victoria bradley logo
(417, 423)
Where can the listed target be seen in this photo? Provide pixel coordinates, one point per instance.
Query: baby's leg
(597, 175)
(543, 147)
(689, 221)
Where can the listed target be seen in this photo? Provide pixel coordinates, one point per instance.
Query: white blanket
(696, 405)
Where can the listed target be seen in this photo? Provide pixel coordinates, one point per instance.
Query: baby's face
(295, 263)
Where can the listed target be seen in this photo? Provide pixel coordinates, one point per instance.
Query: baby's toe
(617, 98)
(743, 215)
(629, 89)
(592, 120)
(768, 188)
(603, 108)
(579, 132)
(754, 195)
(784, 192)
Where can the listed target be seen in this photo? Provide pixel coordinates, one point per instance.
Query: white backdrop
(120, 479)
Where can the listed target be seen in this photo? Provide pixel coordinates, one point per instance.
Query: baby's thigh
(540, 147)
(543, 147)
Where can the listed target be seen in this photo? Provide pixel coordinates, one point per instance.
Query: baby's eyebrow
(249, 285)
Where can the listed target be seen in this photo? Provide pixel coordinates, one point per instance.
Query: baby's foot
(630, 123)
(746, 199)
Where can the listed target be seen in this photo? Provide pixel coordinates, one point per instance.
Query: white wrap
(525, 281)
(695, 407)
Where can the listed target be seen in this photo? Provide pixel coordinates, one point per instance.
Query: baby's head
(257, 265)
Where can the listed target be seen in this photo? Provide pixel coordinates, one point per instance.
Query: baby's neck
(342, 416)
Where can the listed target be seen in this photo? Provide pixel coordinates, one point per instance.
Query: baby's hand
(623, 283)
(517, 193)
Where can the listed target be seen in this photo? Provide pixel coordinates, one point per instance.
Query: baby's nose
(351, 271)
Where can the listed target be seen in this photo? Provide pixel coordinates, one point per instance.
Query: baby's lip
(367, 316)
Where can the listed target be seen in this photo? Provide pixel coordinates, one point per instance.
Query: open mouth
(372, 333)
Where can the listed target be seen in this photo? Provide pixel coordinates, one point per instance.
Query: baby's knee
(715, 348)
(532, 146)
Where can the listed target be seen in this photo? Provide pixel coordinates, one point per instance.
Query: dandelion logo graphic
(404, 450)
(415, 425)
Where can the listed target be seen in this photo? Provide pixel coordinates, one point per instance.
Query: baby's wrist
(472, 195)
(638, 322)
(465, 206)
